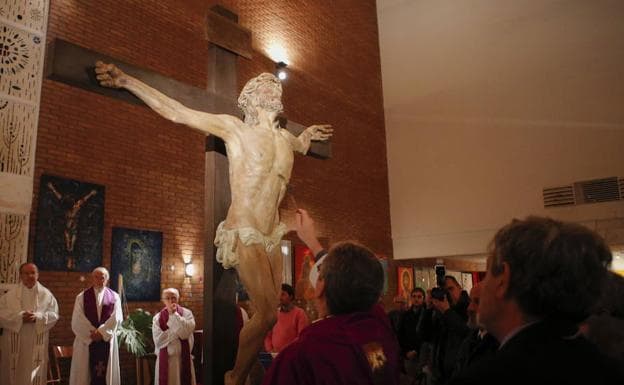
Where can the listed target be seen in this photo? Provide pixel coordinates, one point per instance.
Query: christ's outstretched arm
(219, 125)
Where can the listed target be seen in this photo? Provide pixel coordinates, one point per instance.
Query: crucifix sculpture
(260, 154)
(270, 166)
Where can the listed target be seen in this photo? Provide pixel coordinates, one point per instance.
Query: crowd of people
(548, 311)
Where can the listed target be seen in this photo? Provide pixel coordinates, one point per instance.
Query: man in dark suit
(411, 332)
(459, 299)
(395, 315)
(542, 279)
(479, 344)
(449, 331)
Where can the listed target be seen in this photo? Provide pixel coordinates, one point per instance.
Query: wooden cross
(100, 369)
(73, 65)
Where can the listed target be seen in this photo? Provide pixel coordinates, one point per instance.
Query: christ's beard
(272, 105)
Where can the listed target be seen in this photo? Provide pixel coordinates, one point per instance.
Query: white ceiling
(486, 102)
(528, 57)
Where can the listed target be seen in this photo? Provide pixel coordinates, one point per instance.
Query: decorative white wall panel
(13, 236)
(23, 25)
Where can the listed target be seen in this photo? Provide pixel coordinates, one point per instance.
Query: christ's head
(264, 92)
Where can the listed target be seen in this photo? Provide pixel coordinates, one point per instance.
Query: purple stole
(98, 351)
(163, 355)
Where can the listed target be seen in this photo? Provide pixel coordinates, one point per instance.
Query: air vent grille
(597, 190)
(559, 196)
(590, 191)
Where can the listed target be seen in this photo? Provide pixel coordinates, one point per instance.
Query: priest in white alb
(27, 313)
(97, 313)
(173, 329)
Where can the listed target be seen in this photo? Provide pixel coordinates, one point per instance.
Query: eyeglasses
(169, 298)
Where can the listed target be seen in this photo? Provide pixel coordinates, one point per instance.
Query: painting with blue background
(136, 255)
(70, 223)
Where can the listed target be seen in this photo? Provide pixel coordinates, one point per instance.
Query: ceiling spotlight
(281, 70)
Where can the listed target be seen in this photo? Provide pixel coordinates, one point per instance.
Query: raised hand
(306, 231)
(109, 75)
(320, 131)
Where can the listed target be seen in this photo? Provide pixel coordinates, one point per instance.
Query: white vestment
(82, 327)
(24, 346)
(180, 327)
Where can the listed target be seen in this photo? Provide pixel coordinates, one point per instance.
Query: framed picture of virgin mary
(136, 259)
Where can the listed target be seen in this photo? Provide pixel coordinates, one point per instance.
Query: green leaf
(135, 333)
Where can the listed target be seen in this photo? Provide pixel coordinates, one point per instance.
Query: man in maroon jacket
(353, 342)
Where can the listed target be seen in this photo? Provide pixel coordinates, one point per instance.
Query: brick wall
(153, 169)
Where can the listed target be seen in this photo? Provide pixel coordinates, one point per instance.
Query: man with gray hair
(172, 329)
(353, 341)
(543, 277)
(479, 344)
(96, 315)
(27, 313)
(260, 155)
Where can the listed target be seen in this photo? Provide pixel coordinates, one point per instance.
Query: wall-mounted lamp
(189, 270)
(280, 70)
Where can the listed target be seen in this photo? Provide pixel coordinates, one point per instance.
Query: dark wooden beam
(74, 65)
(220, 285)
(223, 31)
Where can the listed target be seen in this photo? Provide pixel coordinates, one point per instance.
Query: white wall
(489, 101)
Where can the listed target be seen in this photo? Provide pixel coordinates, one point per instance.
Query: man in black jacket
(449, 332)
(542, 279)
(411, 332)
(395, 315)
(458, 297)
(479, 344)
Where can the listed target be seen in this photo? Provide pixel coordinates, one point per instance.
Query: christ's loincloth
(225, 240)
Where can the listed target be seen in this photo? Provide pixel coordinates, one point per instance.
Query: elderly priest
(27, 313)
(97, 312)
(173, 329)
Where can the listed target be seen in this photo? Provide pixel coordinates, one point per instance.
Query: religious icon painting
(303, 263)
(405, 282)
(70, 224)
(136, 257)
(421, 278)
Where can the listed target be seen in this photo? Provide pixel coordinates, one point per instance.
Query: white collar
(27, 289)
(515, 332)
(33, 289)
